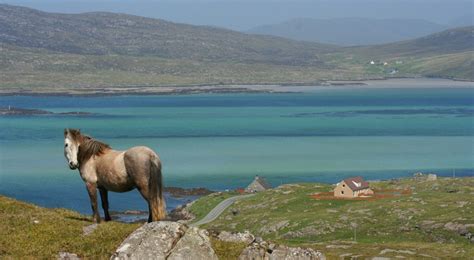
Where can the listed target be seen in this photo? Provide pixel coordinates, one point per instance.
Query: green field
(410, 225)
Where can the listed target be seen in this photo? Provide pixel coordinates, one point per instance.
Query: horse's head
(72, 141)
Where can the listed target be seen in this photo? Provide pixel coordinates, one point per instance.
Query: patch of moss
(227, 250)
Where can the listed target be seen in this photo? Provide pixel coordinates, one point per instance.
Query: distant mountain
(121, 34)
(55, 53)
(350, 31)
(448, 41)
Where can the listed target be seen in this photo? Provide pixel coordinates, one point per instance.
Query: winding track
(216, 211)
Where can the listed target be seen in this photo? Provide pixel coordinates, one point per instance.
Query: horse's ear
(66, 131)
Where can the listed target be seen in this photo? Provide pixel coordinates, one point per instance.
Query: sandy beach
(239, 88)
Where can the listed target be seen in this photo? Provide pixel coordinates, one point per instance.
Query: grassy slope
(391, 223)
(57, 230)
(201, 207)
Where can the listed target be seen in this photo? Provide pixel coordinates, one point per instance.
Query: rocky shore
(16, 111)
(183, 192)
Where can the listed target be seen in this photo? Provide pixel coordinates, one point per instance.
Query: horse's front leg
(92, 190)
(105, 203)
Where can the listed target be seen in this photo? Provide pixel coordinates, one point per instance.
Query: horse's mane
(90, 147)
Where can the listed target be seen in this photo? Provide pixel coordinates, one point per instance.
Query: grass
(201, 207)
(29, 231)
(29, 70)
(227, 250)
(290, 215)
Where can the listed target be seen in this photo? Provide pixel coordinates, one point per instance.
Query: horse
(105, 169)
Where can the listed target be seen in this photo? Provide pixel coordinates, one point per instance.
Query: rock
(68, 256)
(253, 252)
(87, 230)
(235, 212)
(274, 227)
(245, 237)
(388, 250)
(256, 252)
(289, 253)
(194, 245)
(432, 177)
(153, 240)
(459, 228)
(181, 214)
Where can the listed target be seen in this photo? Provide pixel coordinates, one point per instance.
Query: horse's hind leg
(105, 203)
(143, 189)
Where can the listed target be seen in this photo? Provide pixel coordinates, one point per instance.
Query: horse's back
(138, 159)
(140, 152)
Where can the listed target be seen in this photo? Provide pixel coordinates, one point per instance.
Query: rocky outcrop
(245, 237)
(153, 240)
(173, 240)
(182, 192)
(264, 250)
(194, 245)
(67, 256)
(461, 229)
(182, 214)
(166, 240)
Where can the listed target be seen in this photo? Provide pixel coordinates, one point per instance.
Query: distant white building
(372, 62)
(257, 185)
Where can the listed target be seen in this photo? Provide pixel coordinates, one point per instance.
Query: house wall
(364, 191)
(254, 187)
(343, 191)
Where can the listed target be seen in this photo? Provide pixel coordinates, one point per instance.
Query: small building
(419, 176)
(258, 184)
(352, 188)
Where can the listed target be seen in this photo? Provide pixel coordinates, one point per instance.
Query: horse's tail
(155, 185)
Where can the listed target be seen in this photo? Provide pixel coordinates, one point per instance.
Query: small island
(16, 111)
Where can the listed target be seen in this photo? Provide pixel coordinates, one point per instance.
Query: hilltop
(411, 219)
(103, 33)
(445, 42)
(350, 31)
(90, 53)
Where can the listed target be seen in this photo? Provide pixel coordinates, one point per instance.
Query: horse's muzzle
(72, 166)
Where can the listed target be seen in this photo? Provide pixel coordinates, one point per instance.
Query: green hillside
(31, 232)
(121, 34)
(100, 52)
(408, 218)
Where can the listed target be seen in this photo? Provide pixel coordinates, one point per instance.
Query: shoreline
(261, 88)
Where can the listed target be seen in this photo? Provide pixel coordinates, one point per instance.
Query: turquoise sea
(220, 141)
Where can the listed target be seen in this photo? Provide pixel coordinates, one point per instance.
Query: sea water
(221, 141)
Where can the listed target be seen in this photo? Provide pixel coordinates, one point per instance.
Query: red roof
(356, 183)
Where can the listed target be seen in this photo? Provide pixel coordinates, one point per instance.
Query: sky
(245, 14)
